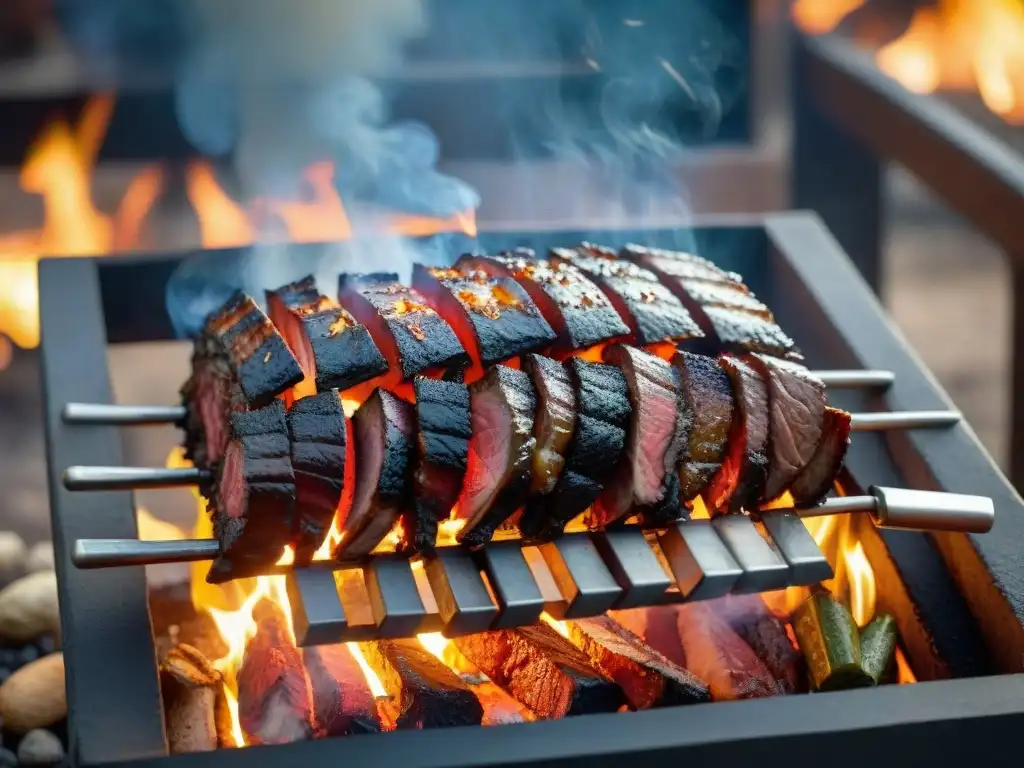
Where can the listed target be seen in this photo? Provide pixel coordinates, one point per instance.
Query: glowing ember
(372, 679)
(555, 624)
(821, 16)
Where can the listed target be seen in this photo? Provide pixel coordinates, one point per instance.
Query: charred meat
(749, 617)
(817, 478)
(384, 429)
(253, 501)
(413, 337)
(335, 351)
(555, 421)
(323, 457)
(498, 475)
(602, 418)
(574, 307)
(442, 451)
(708, 397)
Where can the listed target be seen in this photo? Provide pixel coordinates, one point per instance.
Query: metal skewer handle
(131, 478)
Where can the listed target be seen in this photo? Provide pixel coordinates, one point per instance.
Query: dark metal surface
(807, 564)
(702, 565)
(462, 598)
(763, 568)
(518, 596)
(317, 613)
(583, 579)
(633, 565)
(398, 610)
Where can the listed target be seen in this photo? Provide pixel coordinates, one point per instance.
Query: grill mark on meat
(603, 414)
(384, 432)
(739, 482)
(543, 670)
(797, 409)
(494, 318)
(323, 458)
(337, 352)
(578, 311)
(445, 429)
(253, 500)
(657, 433)
(817, 478)
(413, 337)
(707, 394)
(652, 312)
(555, 421)
(498, 469)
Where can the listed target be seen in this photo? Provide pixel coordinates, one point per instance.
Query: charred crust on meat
(708, 397)
(813, 484)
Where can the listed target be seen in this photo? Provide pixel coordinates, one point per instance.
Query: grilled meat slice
(323, 457)
(494, 318)
(413, 337)
(239, 361)
(574, 307)
(649, 308)
(442, 450)
(766, 635)
(658, 430)
(498, 473)
(336, 352)
(253, 501)
(739, 482)
(732, 318)
(816, 480)
(543, 670)
(707, 395)
(656, 627)
(602, 418)
(796, 402)
(555, 422)
(384, 430)
(342, 700)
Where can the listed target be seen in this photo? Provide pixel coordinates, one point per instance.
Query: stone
(28, 607)
(40, 557)
(40, 748)
(13, 555)
(34, 696)
(8, 759)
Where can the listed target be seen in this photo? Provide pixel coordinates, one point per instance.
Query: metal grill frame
(115, 712)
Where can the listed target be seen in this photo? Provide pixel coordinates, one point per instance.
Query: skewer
(98, 414)
(894, 508)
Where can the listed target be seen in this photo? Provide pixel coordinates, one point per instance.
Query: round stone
(40, 748)
(7, 759)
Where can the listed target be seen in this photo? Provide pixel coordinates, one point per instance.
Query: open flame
(957, 45)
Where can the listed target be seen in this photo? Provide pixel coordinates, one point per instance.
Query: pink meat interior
(370, 452)
(488, 454)
(655, 419)
(232, 484)
(294, 334)
(212, 394)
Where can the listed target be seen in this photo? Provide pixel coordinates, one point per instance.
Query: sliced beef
(498, 474)
(796, 401)
(656, 627)
(740, 481)
(765, 633)
(253, 501)
(555, 421)
(343, 703)
(211, 394)
(708, 396)
(384, 429)
(602, 417)
(658, 430)
(323, 457)
(574, 307)
(413, 337)
(494, 318)
(816, 480)
(335, 350)
(743, 331)
(442, 451)
(543, 670)
(652, 312)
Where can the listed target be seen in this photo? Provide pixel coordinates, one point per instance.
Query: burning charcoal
(334, 350)
(498, 471)
(429, 694)
(574, 307)
(445, 429)
(646, 677)
(240, 361)
(656, 627)
(830, 642)
(818, 477)
(603, 412)
(796, 402)
(708, 396)
(878, 646)
(324, 461)
(658, 429)
(543, 670)
(653, 314)
(275, 699)
(192, 690)
(555, 421)
(413, 337)
(384, 428)
(765, 633)
(717, 655)
(494, 318)
(740, 480)
(253, 500)
(342, 700)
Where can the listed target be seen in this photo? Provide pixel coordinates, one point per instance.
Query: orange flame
(818, 17)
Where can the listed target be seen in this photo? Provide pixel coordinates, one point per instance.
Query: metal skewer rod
(856, 379)
(886, 420)
(889, 508)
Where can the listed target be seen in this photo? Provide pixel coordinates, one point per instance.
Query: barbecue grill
(954, 594)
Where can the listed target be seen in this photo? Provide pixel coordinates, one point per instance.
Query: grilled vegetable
(878, 646)
(830, 642)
